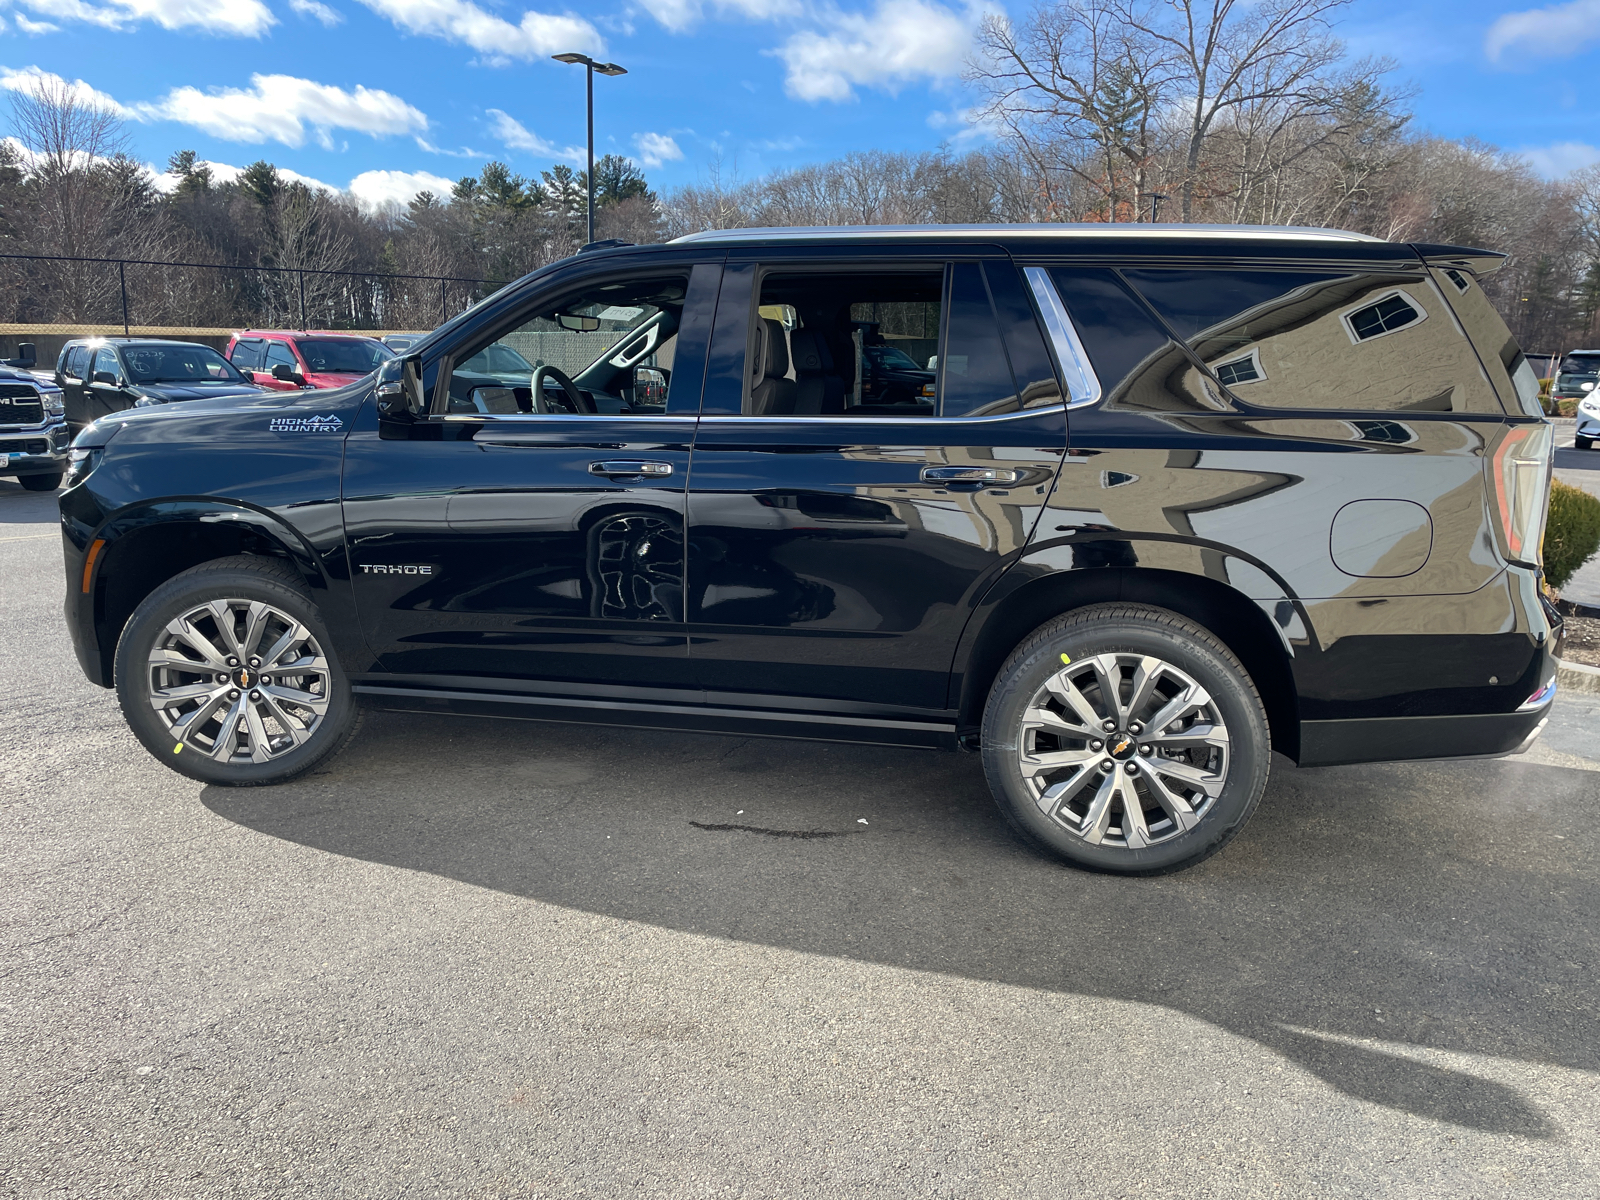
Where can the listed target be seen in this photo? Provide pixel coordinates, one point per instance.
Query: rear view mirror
(649, 386)
(577, 323)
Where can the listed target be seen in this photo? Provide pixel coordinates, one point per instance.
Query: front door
(530, 527)
(872, 453)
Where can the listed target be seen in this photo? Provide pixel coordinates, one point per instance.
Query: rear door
(873, 452)
(73, 378)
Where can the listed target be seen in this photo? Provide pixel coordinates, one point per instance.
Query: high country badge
(328, 424)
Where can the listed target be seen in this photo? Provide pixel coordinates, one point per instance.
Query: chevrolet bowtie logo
(1121, 746)
(244, 678)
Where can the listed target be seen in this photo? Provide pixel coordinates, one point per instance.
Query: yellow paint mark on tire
(177, 748)
(1066, 659)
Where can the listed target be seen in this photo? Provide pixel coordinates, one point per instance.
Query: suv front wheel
(1125, 738)
(227, 675)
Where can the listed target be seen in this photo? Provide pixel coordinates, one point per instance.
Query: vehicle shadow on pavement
(18, 506)
(1425, 908)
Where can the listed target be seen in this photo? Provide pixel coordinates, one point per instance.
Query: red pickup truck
(292, 360)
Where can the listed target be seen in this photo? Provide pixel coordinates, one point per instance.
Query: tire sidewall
(184, 593)
(1249, 745)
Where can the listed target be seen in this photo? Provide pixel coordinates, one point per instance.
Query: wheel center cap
(243, 678)
(1122, 746)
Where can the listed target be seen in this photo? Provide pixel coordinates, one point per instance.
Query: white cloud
(1560, 159)
(679, 15)
(317, 10)
(965, 126)
(281, 107)
(1559, 31)
(517, 136)
(241, 18)
(27, 78)
(656, 149)
(34, 27)
(228, 173)
(380, 189)
(538, 35)
(900, 41)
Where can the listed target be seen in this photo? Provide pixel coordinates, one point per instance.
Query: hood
(333, 379)
(165, 393)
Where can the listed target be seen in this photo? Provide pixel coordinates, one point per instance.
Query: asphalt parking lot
(501, 959)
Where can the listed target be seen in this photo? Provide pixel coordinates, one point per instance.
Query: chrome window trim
(809, 418)
(1083, 385)
(518, 418)
(1133, 232)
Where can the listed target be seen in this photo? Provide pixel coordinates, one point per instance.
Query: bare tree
(1081, 77)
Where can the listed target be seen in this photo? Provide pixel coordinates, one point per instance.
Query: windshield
(1585, 381)
(891, 359)
(178, 364)
(498, 359)
(1581, 364)
(343, 356)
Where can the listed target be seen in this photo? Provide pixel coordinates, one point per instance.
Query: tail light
(1520, 468)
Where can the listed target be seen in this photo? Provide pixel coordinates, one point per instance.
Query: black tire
(1160, 844)
(243, 580)
(40, 483)
(1582, 443)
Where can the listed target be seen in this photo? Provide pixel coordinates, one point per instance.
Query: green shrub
(1572, 534)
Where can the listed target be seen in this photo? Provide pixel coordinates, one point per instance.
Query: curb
(1577, 677)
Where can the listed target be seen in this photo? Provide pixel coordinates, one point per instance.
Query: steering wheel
(579, 402)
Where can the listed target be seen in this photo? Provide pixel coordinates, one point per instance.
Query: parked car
(1180, 498)
(291, 361)
(106, 375)
(33, 426)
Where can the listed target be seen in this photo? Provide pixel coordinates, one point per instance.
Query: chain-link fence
(42, 295)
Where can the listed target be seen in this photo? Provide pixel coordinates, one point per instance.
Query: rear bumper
(1399, 739)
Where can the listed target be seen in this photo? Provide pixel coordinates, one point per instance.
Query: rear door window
(247, 354)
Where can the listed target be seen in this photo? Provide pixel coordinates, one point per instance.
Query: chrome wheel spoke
(173, 697)
(1050, 721)
(260, 743)
(227, 736)
(1194, 737)
(1040, 761)
(255, 623)
(1064, 690)
(1145, 677)
(1134, 830)
(183, 631)
(1098, 819)
(1192, 697)
(222, 613)
(191, 721)
(1174, 805)
(1057, 794)
(1190, 774)
(1105, 674)
(288, 695)
(294, 634)
(293, 725)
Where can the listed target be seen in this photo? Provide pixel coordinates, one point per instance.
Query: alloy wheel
(240, 681)
(1123, 749)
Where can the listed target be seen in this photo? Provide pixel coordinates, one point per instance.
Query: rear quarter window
(1352, 342)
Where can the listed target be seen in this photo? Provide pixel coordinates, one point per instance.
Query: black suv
(1177, 497)
(104, 375)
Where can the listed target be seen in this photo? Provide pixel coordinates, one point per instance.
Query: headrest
(774, 350)
(806, 348)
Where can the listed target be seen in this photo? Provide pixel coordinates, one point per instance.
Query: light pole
(604, 69)
(1155, 199)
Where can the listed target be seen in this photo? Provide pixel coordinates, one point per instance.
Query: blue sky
(386, 96)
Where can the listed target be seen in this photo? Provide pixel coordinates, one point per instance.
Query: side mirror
(649, 386)
(287, 374)
(399, 393)
(27, 356)
(576, 323)
(249, 376)
(107, 377)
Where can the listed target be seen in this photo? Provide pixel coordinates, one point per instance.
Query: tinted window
(1138, 364)
(976, 376)
(1024, 340)
(177, 364)
(1348, 342)
(855, 344)
(247, 354)
(343, 356)
(1194, 301)
(105, 359)
(280, 355)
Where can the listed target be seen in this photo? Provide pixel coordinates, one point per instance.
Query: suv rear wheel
(227, 675)
(1125, 738)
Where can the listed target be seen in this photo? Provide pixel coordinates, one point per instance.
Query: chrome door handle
(970, 475)
(652, 470)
